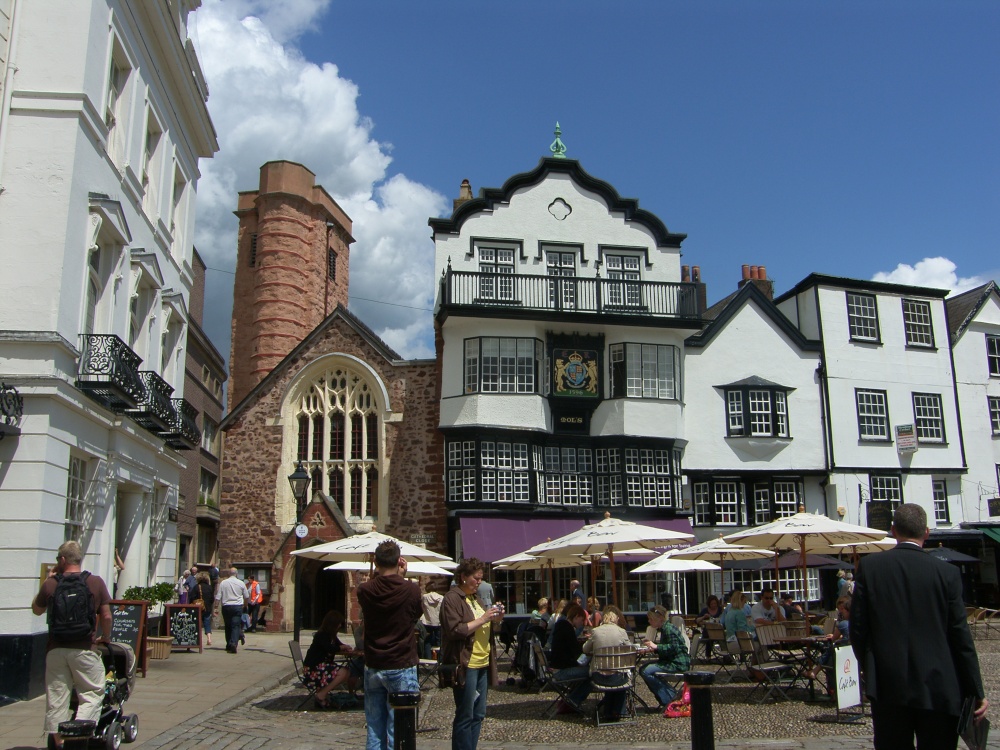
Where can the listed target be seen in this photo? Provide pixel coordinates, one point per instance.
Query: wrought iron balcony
(11, 410)
(154, 412)
(109, 372)
(182, 433)
(465, 291)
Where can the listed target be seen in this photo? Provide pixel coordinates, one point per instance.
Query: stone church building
(312, 384)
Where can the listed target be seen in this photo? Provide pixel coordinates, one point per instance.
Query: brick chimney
(464, 195)
(701, 291)
(757, 275)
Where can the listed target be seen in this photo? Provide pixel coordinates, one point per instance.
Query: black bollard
(702, 728)
(404, 709)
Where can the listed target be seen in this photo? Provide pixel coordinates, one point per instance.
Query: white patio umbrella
(806, 532)
(719, 550)
(666, 564)
(413, 569)
(361, 548)
(863, 548)
(609, 536)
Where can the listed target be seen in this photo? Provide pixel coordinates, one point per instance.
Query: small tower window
(331, 264)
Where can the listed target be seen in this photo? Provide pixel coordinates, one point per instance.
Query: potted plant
(157, 594)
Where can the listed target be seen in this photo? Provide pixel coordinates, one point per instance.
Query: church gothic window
(338, 437)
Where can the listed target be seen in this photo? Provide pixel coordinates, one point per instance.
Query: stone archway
(322, 590)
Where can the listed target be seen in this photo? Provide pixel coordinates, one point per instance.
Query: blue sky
(849, 138)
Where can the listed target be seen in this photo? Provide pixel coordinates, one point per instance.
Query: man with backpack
(76, 603)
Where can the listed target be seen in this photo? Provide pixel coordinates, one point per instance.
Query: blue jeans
(379, 683)
(663, 692)
(581, 691)
(470, 709)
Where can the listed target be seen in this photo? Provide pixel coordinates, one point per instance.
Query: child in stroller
(114, 725)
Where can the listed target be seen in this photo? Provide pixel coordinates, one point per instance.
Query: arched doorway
(322, 590)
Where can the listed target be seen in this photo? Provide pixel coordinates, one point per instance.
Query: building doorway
(321, 591)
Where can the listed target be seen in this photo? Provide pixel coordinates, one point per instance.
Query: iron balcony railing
(183, 434)
(155, 412)
(109, 372)
(569, 294)
(11, 410)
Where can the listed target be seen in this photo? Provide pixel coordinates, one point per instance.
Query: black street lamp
(299, 481)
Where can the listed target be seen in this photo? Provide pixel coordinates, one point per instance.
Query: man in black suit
(910, 634)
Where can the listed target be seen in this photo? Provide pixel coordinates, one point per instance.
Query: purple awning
(492, 537)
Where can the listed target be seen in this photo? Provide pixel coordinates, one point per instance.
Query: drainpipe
(8, 84)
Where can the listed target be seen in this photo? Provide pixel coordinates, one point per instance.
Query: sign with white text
(906, 438)
(847, 673)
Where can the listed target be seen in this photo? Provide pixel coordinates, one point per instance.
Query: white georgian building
(99, 150)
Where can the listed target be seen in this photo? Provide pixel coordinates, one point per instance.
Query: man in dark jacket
(912, 640)
(391, 608)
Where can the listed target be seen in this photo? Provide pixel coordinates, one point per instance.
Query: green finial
(558, 148)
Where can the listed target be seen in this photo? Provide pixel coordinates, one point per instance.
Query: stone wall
(252, 472)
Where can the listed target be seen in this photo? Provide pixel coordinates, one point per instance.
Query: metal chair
(296, 650)
(774, 677)
(546, 676)
(716, 649)
(616, 666)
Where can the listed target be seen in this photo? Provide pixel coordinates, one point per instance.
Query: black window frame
(943, 484)
(618, 371)
(538, 372)
(746, 431)
(993, 355)
(993, 407)
(923, 422)
(913, 328)
(887, 438)
(851, 317)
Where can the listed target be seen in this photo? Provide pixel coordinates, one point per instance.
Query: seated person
(566, 651)
(841, 632)
(540, 616)
(672, 655)
(735, 619)
(557, 613)
(792, 610)
(318, 670)
(608, 633)
(593, 612)
(766, 611)
(711, 612)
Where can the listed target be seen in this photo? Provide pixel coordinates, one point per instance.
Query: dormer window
(862, 317)
(756, 408)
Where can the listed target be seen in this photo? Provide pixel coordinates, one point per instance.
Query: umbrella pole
(593, 575)
(552, 583)
(614, 577)
(805, 579)
(777, 578)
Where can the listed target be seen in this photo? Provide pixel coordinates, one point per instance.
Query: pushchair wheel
(113, 736)
(131, 728)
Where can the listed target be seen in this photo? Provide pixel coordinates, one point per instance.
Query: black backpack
(71, 612)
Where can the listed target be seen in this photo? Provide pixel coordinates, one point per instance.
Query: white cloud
(268, 102)
(937, 272)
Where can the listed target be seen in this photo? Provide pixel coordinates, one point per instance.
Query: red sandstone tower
(292, 270)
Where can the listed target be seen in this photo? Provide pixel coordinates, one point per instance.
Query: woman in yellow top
(468, 655)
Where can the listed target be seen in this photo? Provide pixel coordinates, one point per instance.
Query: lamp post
(299, 481)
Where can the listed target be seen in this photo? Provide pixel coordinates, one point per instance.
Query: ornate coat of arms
(575, 373)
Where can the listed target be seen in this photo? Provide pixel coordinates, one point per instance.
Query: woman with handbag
(468, 653)
(203, 594)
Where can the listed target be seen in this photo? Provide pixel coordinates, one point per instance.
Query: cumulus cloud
(268, 102)
(931, 272)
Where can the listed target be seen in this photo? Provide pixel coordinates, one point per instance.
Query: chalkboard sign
(184, 625)
(128, 626)
(879, 514)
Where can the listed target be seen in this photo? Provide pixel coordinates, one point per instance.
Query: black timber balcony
(182, 433)
(154, 412)
(109, 372)
(486, 294)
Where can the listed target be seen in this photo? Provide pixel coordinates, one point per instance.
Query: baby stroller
(113, 726)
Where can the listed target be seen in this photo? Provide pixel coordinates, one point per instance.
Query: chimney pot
(685, 273)
(762, 272)
(746, 272)
(753, 272)
(696, 274)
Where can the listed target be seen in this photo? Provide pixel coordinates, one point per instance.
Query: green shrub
(155, 594)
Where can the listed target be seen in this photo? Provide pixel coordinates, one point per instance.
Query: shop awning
(492, 538)
(992, 533)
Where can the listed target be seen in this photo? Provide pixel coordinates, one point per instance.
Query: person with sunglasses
(766, 611)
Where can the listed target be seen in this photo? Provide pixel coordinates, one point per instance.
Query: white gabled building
(889, 404)
(99, 150)
(974, 317)
(561, 318)
(753, 409)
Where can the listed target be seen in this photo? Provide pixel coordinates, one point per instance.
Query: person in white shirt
(231, 596)
(766, 611)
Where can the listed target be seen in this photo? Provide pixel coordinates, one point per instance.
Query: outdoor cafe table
(805, 652)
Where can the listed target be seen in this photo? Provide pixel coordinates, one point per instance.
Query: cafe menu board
(128, 626)
(184, 625)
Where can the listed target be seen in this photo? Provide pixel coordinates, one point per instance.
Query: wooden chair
(716, 649)
(773, 677)
(617, 667)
